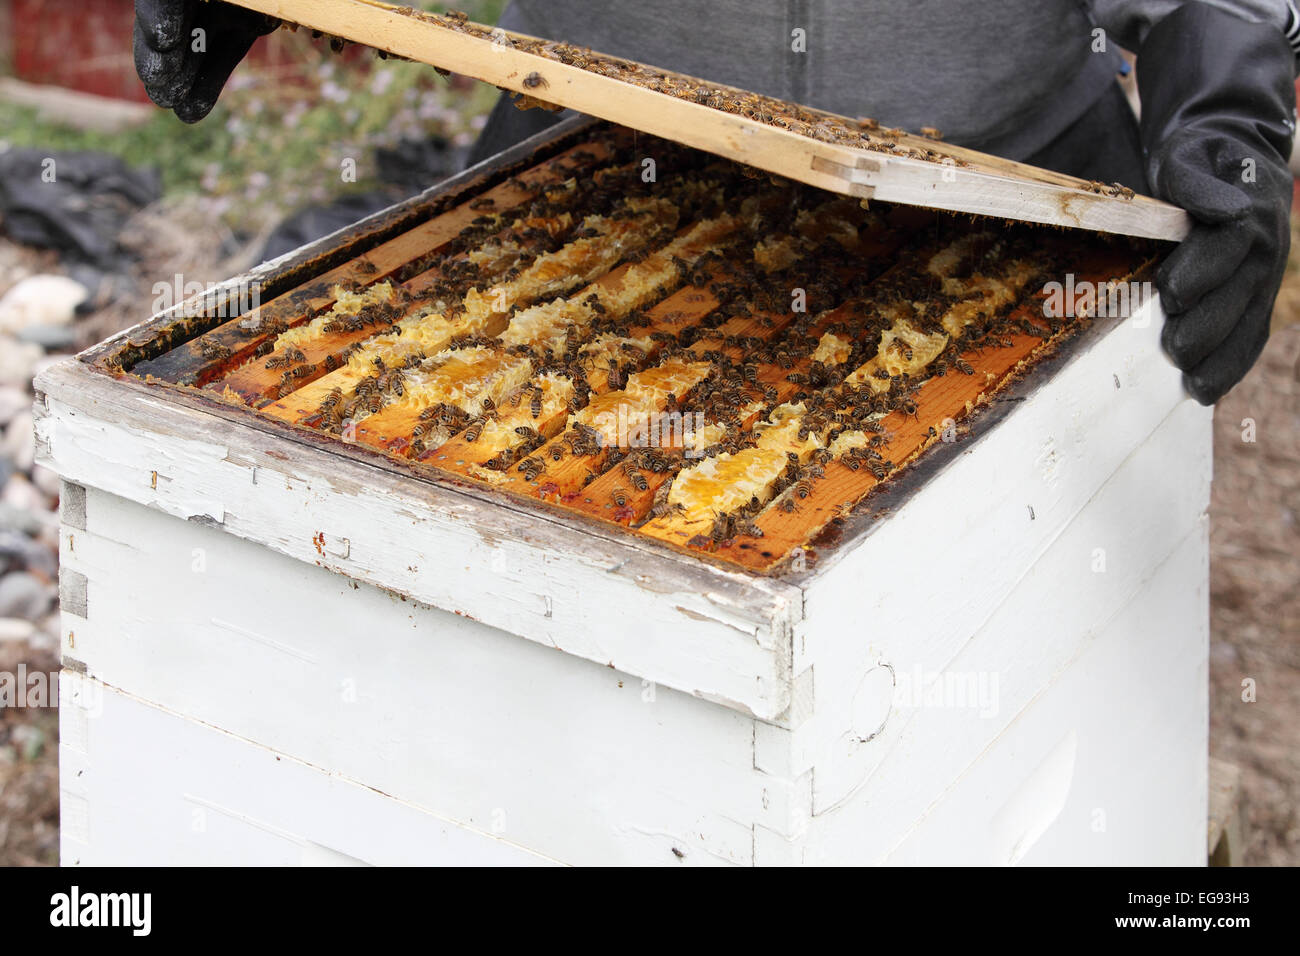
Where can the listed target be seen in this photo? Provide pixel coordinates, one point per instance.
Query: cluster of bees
(751, 373)
(1114, 190)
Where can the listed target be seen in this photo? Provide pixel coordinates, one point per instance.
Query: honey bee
(526, 431)
(482, 202)
(474, 429)
(535, 407)
(964, 367)
(366, 267)
(557, 452)
(535, 81)
(214, 350)
(294, 355)
(929, 132)
(638, 480)
(619, 497)
(719, 532)
(749, 528)
(531, 468)
(277, 361)
(803, 488)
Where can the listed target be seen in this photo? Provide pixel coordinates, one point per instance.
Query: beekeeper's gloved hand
(1218, 108)
(185, 50)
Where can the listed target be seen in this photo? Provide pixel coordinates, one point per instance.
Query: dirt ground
(1255, 592)
(1255, 614)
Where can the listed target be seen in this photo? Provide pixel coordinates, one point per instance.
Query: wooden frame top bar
(950, 178)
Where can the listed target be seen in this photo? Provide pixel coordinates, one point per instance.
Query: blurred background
(147, 198)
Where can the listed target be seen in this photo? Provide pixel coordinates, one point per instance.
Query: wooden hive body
(240, 588)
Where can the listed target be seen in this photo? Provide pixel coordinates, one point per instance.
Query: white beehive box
(397, 696)
(276, 653)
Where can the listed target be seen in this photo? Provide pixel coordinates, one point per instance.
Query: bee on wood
(294, 355)
(721, 528)
(531, 468)
(535, 406)
(527, 432)
(638, 480)
(482, 202)
(619, 497)
(366, 267)
(214, 350)
(803, 488)
(964, 367)
(929, 132)
(535, 81)
(557, 452)
(277, 361)
(473, 430)
(748, 528)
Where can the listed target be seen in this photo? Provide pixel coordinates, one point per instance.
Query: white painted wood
(141, 786)
(583, 763)
(1136, 779)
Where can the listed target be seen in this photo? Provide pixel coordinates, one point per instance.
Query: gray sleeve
(1127, 21)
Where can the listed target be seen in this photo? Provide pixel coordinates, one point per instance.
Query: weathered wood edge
(997, 187)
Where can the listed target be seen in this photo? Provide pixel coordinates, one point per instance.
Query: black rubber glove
(1218, 108)
(175, 75)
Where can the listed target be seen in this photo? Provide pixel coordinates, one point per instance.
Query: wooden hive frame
(822, 149)
(247, 365)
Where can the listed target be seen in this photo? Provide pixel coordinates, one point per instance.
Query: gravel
(24, 595)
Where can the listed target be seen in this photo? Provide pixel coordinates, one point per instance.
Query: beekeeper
(1030, 80)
